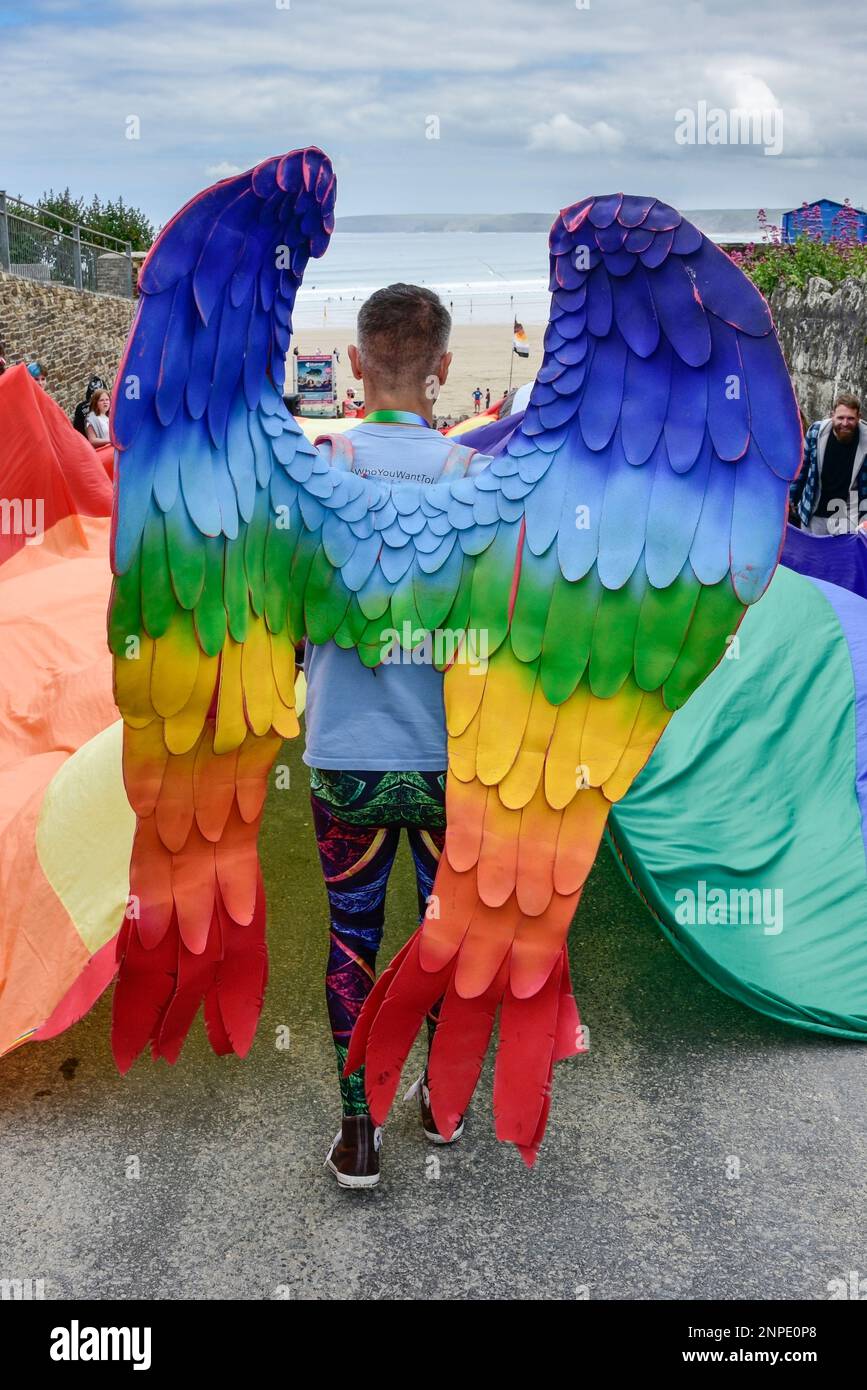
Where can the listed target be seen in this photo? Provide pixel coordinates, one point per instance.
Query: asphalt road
(699, 1150)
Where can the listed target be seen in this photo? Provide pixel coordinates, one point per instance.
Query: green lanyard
(396, 417)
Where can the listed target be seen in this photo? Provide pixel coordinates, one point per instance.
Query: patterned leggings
(358, 817)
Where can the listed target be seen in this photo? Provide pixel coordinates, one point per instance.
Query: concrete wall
(823, 330)
(73, 333)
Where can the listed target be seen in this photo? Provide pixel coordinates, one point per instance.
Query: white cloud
(566, 136)
(737, 89)
(223, 170)
(745, 90)
(539, 103)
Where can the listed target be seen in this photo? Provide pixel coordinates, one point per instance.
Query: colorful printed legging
(358, 817)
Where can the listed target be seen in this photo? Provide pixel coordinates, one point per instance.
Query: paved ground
(632, 1197)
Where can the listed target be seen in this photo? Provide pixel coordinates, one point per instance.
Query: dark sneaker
(354, 1156)
(428, 1123)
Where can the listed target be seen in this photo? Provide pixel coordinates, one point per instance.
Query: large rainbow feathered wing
(206, 526)
(589, 574)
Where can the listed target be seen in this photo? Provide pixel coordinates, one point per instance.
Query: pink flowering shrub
(772, 261)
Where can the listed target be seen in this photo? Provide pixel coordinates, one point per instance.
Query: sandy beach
(481, 358)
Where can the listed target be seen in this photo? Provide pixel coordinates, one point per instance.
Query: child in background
(96, 422)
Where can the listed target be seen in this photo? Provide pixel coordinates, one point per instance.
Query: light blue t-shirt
(391, 717)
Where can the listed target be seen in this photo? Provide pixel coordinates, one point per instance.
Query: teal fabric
(753, 787)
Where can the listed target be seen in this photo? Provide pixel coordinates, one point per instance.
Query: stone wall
(823, 330)
(74, 334)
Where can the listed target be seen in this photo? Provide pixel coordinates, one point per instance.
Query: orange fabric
(55, 680)
(55, 694)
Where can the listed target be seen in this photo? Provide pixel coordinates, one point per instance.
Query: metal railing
(62, 252)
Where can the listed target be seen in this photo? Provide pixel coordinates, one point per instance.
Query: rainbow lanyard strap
(396, 417)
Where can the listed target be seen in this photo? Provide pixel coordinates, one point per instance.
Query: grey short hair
(403, 331)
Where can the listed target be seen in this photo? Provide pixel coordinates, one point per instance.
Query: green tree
(56, 209)
(120, 219)
(111, 217)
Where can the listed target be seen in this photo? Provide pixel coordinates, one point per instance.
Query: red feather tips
(569, 1041)
(534, 1034)
(525, 1060)
(367, 1017)
(461, 1040)
(398, 1018)
(161, 988)
(145, 984)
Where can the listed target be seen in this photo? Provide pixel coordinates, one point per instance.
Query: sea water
(483, 277)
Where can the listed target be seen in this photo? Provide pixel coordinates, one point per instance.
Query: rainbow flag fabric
(65, 824)
(519, 340)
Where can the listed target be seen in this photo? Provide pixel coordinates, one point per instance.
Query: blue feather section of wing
(661, 429)
(683, 384)
(196, 418)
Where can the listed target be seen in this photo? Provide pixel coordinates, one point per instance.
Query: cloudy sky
(535, 102)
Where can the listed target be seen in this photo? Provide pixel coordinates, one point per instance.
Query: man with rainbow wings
(607, 553)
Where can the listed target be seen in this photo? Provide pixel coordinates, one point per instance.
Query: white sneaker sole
(431, 1135)
(349, 1180)
(438, 1138)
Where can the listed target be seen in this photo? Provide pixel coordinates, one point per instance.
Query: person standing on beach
(376, 738)
(829, 496)
(477, 400)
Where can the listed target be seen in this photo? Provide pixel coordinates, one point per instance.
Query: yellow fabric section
(473, 422)
(84, 837)
(300, 693)
(312, 427)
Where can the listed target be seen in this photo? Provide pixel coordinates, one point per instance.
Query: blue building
(834, 218)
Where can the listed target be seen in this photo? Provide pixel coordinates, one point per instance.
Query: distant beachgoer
(349, 406)
(487, 398)
(829, 498)
(97, 417)
(477, 400)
